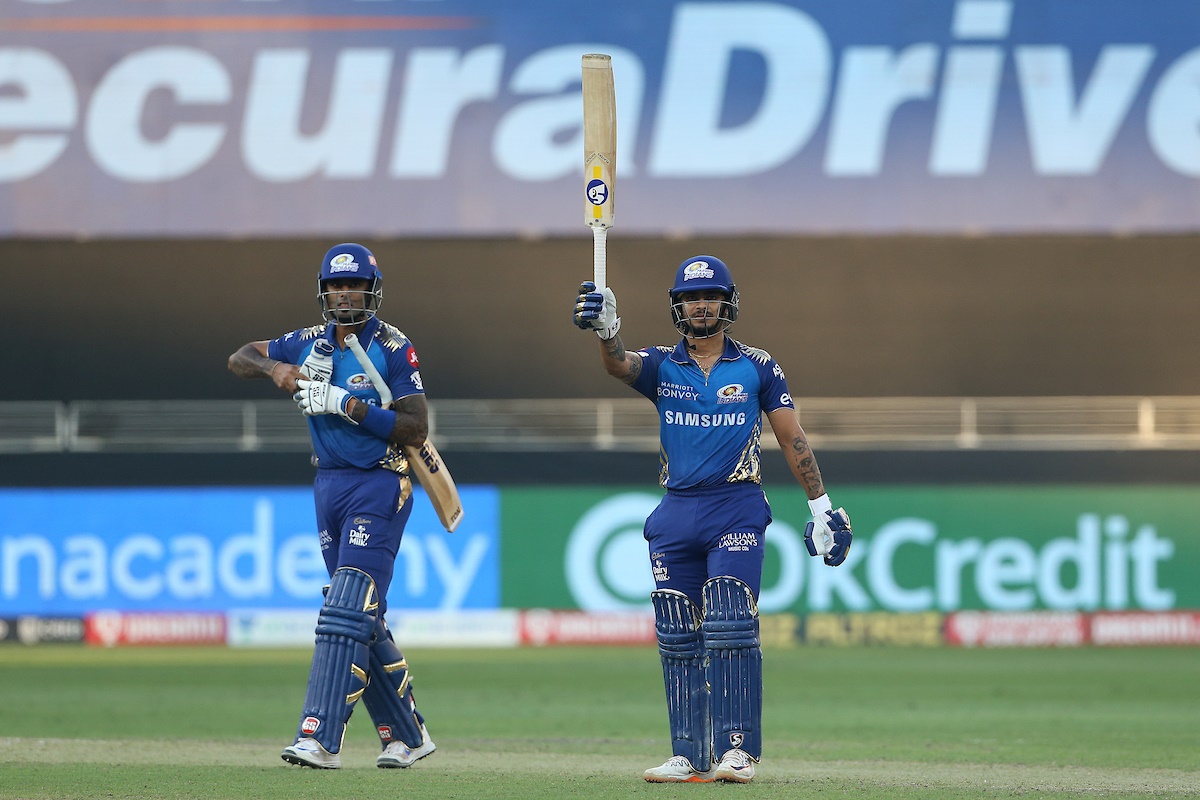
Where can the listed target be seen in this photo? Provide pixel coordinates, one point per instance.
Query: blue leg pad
(734, 665)
(340, 659)
(389, 697)
(681, 646)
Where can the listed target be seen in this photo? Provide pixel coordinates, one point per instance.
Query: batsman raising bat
(363, 493)
(706, 538)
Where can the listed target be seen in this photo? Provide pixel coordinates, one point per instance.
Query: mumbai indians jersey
(710, 427)
(338, 443)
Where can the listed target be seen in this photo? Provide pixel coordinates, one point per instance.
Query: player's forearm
(803, 464)
(250, 362)
(406, 423)
(617, 362)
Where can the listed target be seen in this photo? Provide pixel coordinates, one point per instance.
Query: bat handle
(600, 256)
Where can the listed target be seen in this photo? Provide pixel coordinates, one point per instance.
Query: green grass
(584, 722)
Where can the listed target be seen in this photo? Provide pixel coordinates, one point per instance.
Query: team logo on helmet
(343, 262)
(697, 269)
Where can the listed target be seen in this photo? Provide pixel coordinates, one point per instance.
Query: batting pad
(681, 646)
(389, 697)
(734, 665)
(340, 659)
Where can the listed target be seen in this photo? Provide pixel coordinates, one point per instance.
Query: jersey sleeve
(291, 348)
(404, 371)
(774, 393)
(647, 380)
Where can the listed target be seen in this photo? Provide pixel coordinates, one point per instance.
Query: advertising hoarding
(462, 117)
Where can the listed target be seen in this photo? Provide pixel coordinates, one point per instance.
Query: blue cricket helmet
(703, 273)
(350, 261)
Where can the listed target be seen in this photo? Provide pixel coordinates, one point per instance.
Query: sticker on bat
(597, 192)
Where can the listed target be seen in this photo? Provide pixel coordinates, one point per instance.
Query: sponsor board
(31, 629)
(1007, 629)
(222, 548)
(876, 628)
(541, 627)
(1146, 628)
(916, 550)
(468, 629)
(111, 628)
(861, 116)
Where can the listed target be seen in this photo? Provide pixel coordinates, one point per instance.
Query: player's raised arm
(596, 310)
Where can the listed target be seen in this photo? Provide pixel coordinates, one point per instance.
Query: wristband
(379, 421)
(818, 506)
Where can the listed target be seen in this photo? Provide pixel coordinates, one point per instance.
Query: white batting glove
(319, 364)
(829, 534)
(322, 397)
(597, 310)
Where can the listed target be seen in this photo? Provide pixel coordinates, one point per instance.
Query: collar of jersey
(680, 354)
(367, 334)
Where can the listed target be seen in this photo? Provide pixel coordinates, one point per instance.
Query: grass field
(584, 722)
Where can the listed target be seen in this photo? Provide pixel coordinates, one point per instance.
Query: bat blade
(426, 463)
(599, 154)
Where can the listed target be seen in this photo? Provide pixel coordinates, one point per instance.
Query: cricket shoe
(399, 755)
(309, 753)
(677, 769)
(736, 767)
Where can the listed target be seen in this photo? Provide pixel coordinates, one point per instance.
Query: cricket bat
(599, 156)
(425, 461)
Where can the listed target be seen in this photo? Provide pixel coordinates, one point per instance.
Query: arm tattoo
(412, 420)
(615, 349)
(806, 467)
(635, 368)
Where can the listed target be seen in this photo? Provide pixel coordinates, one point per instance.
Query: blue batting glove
(589, 306)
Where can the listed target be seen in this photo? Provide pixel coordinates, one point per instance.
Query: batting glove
(319, 364)
(322, 397)
(829, 533)
(597, 310)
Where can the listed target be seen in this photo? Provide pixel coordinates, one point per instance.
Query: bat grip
(600, 256)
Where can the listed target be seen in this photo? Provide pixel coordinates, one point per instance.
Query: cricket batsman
(706, 538)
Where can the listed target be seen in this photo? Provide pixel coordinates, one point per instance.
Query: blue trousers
(699, 534)
(361, 514)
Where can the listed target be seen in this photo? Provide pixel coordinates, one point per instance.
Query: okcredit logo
(1069, 554)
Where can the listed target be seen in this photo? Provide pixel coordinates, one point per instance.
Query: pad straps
(389, 698)
(681, 647)
(338, 675)
(734, 665)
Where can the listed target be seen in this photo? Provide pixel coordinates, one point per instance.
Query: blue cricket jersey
(336, 442)
(710, 428)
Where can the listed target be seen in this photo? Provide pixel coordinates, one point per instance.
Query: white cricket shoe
(398, 755)
(677, 769)
(310, 753)
(736, 767)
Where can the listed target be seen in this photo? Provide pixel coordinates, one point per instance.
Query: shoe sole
(398, 765)
(688, 779)
(303, 762)
(733, 777)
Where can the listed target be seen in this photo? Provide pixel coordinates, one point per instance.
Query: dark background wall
(491, 318)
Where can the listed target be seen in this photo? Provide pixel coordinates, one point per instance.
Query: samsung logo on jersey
(695, 420)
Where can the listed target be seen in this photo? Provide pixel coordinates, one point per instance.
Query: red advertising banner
(110, 628)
